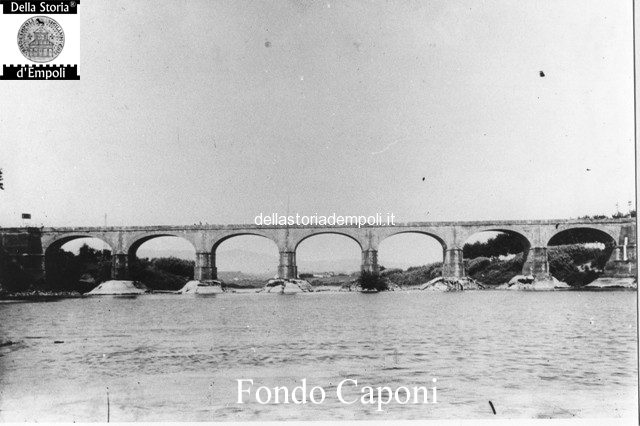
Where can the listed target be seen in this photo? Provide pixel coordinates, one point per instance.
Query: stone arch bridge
(32, 244)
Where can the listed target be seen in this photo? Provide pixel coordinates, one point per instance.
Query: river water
(177, 358)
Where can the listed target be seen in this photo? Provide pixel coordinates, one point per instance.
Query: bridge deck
(435, 224)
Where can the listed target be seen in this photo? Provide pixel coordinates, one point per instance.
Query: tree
(501, 244)
(1, 181)
(66, 271)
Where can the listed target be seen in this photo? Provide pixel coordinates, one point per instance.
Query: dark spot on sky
(267, 43)
(541, 73)
(423, 179)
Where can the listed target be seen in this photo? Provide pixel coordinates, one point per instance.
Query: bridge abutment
(35, 266)
(287, 268)
(204, 269)
(370, 261)
(120, 266)
(453, 265)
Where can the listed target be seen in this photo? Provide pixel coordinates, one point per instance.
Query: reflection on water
(167, 357)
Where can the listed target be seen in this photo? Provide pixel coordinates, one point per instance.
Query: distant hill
(247, 261)
(339, 265)
(180, 254)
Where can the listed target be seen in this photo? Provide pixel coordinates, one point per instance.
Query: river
(178, 358)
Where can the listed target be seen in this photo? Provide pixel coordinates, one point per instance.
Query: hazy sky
(216, 111)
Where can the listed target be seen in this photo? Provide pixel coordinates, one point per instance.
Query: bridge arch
(437, 237)
(262, 245)
(482, 259)
(328, 231)
(411, 250)
(329, 246)
(58, 241)
(163, 274)
(596, 233)
(229, 236)
(591, 250)
(140, 239)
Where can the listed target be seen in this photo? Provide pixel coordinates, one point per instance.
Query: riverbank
(53, 296)
(40, 295)
(576, 265)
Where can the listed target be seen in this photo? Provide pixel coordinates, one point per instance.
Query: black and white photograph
(331, 211)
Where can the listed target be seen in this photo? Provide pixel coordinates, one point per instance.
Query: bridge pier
(287, 268)
(120, 266)
(537, 264)
(632, 253)
(204, 269)
(370, 261)
(453, 265)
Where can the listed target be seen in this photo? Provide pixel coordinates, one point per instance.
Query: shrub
(495, 272)
(147, 272)
(478, 264)
(372, 281)
(415, 275)
(387, 272)
(175, 266)
(576, 264)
